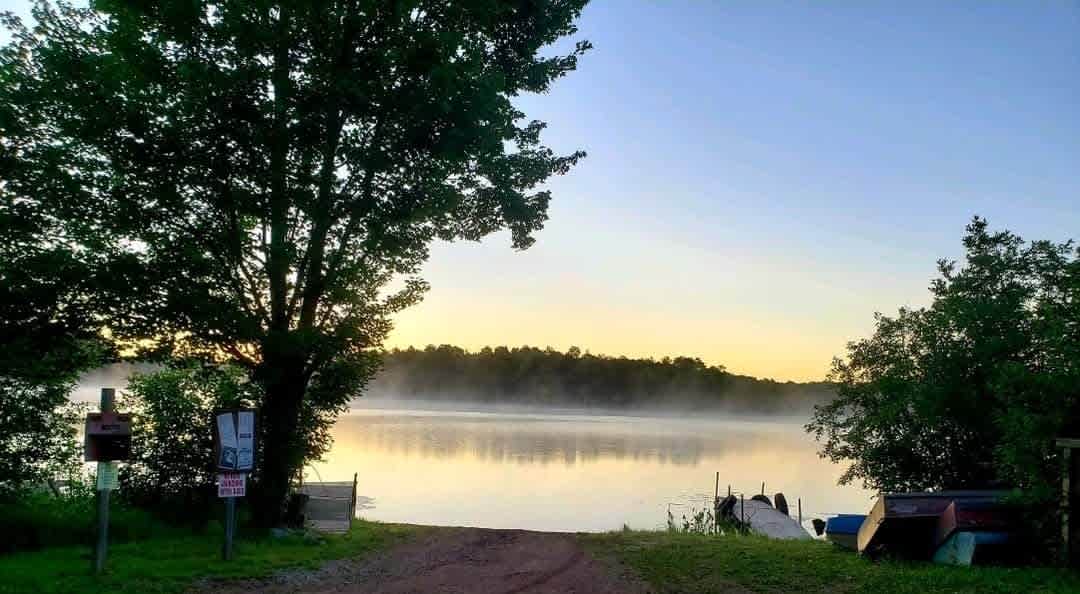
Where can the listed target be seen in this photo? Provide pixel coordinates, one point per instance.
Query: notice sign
(107, 475)
(234, 440)
(231, 485)
(245, 440)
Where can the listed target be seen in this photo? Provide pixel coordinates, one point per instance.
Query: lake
(564, 471)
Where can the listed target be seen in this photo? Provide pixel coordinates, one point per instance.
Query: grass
(670, 562)
(172, 564)
(39, 521)
(679, 562)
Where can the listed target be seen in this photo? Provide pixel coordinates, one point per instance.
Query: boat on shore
(917, 525)
(843, 530)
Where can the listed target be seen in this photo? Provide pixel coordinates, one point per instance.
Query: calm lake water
(571, 472)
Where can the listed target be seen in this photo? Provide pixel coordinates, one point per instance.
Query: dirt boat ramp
(456, 561)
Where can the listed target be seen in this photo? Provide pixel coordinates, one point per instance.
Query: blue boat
(843, 530)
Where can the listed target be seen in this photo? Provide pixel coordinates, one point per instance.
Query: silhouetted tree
(247, 178)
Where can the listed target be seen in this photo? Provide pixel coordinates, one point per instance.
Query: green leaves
(972, 390)
(240, 180)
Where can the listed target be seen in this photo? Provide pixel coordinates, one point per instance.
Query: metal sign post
(101, 548)
(230, 486)
(234, 456)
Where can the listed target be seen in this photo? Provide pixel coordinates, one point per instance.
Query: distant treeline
(546, 377)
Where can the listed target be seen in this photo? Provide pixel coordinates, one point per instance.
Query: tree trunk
(282, 441)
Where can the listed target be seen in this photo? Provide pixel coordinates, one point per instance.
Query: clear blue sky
(763, 176)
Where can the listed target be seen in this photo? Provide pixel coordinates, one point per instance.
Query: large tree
(47, 341)
(971, 390)
(259, 181)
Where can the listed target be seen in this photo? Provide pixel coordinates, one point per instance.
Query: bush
(971, 391)
(37, 420)
(171, 470)
(36, 519)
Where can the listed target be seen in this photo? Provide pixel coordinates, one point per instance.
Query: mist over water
(445, 461)
(566, 471)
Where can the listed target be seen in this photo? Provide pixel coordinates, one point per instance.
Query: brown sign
(108, 437)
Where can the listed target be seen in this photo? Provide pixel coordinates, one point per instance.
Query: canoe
(843, 530)
(974, 531)
(906, 524)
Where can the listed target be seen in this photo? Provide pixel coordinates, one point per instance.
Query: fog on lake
(461, 464)
(570, 472)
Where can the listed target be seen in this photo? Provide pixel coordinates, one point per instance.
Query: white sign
(227, 439)
(107, 476)
(245, 437)
(231, 485)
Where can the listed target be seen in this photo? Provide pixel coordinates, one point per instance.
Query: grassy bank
(670, 562)
(674, 563)
(171, 564)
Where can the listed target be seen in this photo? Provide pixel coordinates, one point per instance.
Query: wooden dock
(763, 519)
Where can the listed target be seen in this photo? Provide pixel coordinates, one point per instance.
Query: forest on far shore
(546, 377)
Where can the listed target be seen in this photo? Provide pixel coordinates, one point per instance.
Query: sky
(764, 176)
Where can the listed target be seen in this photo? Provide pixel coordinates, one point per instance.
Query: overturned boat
(843, 530)
(918, 525)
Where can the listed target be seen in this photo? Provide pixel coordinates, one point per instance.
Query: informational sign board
(232, 484)
(107, 476)
(108, 437)
(235, 440)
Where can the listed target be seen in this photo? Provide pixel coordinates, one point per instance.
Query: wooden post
(762, 487)
(230, 528)
(1066, 469)
(101, 548)
(729, 490)
(800, 511)
(742, 511)
(1070, 499)
(716, 505)
(352, 504)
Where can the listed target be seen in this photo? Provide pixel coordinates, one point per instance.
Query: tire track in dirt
(455, 561)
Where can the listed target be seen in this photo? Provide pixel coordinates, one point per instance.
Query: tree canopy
(259, 181)
(972, 390)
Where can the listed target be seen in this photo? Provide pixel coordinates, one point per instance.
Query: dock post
(716, 505)
(742, 512)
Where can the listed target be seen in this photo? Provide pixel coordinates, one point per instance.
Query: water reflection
(515, 440)
(568, 472)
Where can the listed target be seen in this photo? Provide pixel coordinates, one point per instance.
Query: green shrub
(38, 520)
(171, 471)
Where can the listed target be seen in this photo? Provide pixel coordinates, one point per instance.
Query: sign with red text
(233, 484)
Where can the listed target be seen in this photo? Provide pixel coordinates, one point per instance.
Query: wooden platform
(764, 519)
(330, 506)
